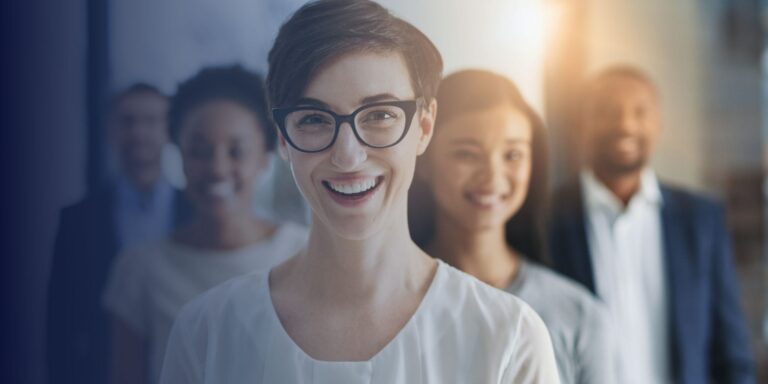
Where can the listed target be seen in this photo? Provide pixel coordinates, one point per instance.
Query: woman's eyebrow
(378, 97)
(308, 101)
(475, 143)
(312, 102)
(471, 142)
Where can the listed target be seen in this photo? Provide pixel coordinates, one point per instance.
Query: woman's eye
(465, 155)
(514, 155)
(199, 152)
(314, 120)
(379, 115)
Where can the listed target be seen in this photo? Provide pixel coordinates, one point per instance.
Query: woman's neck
(484, 254)
(359, 272)
(229, 232)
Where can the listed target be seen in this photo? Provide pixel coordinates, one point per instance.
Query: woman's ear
(427, 118)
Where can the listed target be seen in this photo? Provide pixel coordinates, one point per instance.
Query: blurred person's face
(223, 151)
(621, 125)
(479, 167)
(139, 133)
(353, 189)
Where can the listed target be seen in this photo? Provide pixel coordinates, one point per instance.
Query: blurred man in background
(659, 257)
(138, 206)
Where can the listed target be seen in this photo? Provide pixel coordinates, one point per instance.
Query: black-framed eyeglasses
(377, 125)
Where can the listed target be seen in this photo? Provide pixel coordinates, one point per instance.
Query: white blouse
(464, 331)
(149, 285)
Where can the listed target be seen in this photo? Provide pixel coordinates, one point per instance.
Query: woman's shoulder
(140, 258)
(231, 319)
(560, 300)
(240, 300)
(506, 327)
(468, 298)
(561, 290)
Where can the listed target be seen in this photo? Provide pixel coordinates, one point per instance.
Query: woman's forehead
(349, 80)
(494, 125)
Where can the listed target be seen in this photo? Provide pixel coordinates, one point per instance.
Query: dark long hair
(473, 90)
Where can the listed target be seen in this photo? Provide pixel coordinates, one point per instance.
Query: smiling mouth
(220, 190)
(486, 200)
(357, 190)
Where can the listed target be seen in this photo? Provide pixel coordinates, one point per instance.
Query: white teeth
(353, 188)
(486, 199)
(223, 189)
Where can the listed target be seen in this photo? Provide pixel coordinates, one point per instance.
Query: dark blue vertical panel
(97, 90)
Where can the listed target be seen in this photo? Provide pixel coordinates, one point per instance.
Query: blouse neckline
(425, 303)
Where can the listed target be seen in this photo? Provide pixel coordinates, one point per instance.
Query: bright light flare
(527, 25)
(523, 31)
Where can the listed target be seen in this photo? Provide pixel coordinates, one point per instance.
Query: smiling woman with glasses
(354, 94)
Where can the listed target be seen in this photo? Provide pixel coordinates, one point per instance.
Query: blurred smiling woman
(487, 218)
(219, 120)
(354, 90)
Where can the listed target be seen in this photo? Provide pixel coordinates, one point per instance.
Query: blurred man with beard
(138, 206)
(659, 257)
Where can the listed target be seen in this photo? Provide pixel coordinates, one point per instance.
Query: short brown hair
(325, 29)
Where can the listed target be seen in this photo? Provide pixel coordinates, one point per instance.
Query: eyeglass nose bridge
(349, 119)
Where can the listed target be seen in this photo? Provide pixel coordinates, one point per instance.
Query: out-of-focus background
(709, 58)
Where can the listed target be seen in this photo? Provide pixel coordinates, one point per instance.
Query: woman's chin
(218, 210)
(482, 223)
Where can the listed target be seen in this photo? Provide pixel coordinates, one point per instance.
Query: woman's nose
(493, 173)
(219, 164)
(347, 152)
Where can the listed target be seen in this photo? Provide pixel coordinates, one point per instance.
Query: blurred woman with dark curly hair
(219, 120)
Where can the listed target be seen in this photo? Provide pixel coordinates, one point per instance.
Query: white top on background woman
(354, 89)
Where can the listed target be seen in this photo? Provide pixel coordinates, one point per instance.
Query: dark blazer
(78, 329)
(709, 337)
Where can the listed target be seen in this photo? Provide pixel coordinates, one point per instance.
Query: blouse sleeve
(183, 361)
(532, 359)
(125, 294)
